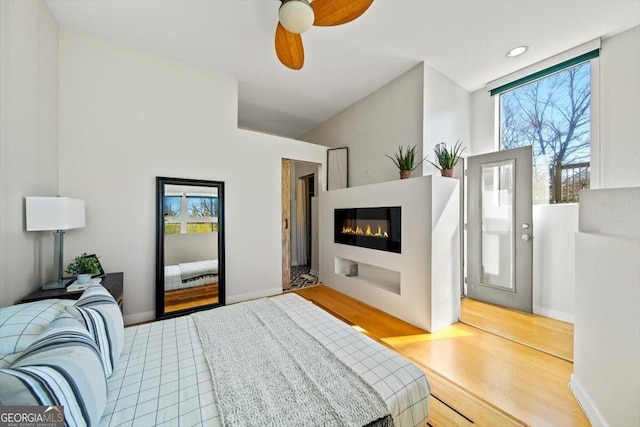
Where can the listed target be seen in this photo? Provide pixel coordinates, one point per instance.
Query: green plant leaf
(405, 160)
(446, 157)
(83, 265)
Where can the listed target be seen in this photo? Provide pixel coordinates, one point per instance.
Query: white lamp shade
(296, 16)
(54, 213)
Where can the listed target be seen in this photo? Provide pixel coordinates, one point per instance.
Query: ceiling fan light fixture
(517, 51)
(296, 16)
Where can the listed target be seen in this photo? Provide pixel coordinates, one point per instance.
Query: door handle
(286, 224)
(525, 237)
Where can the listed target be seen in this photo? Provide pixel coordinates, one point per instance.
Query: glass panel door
(499, 228)
(497, 225)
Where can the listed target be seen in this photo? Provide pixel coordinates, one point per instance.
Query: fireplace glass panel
(373, 228)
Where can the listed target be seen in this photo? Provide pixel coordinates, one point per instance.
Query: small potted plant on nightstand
(447, 157)
(83, 267)
(405, 161)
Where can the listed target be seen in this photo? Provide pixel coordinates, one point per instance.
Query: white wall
(421, 107)
(555, 225)
(554, 260)
(483, 124)
(376, 125)
(620, 110)
(447, 115)
(28, 141)
(126, 117)
(606, 372)
(190, 247)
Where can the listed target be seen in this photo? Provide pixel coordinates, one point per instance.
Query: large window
(553, 115)
(188, 213)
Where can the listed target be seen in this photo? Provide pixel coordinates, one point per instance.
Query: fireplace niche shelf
(388, 280)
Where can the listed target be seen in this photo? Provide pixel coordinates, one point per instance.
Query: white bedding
(163, 378)
(190, 274)
(172, 278)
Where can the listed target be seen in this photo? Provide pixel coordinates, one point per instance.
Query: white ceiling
(464, 39)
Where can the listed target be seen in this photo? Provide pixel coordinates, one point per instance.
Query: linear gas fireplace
(373, 228)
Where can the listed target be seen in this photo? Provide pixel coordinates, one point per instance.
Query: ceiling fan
(297, 16)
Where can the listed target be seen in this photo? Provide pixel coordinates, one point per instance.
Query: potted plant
(447, 157)
(83, 267)
(405, 161)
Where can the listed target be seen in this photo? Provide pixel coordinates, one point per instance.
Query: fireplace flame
(357, 231)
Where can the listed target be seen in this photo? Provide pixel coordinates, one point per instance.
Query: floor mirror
(189, 245)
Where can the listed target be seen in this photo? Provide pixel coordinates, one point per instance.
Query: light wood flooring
(541, 333)
(476, 377)
(182, 299)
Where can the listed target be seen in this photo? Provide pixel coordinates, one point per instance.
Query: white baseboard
(585, 402)
(553, 314)
(253, 295)
(139, 317)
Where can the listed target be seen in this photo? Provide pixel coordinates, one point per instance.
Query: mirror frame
(337, 159)
(161, 182)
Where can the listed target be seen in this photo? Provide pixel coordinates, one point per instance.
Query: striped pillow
(21, 324)
(101, 315)
(59, 368)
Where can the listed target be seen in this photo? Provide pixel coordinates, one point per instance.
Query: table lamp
(55, 214)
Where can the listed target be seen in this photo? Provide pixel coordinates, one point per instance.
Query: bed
(190, 274)
(163, 377)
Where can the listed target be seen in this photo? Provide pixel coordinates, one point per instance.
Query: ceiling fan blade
(335, 12)
(289, 48)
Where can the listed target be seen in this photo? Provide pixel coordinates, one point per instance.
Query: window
(199, 206)
(187, 213)
(172, 205)
(552, 113)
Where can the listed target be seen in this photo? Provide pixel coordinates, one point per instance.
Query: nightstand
(113, 282)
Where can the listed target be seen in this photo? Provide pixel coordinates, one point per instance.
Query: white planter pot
(83, 279)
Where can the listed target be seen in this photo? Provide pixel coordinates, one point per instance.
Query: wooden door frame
(286, 223)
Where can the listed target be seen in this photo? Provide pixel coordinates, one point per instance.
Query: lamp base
(58, 284)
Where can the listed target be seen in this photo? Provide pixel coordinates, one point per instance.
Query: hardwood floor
(181, 299)
(541, 333)
(476, 377)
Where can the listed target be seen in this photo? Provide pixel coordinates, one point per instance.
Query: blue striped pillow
(21, 324)
(59, 368)
(101, 315)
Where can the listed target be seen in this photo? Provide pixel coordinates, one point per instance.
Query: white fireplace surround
(420, 285)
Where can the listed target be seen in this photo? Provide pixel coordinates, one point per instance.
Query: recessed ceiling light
(517, 51)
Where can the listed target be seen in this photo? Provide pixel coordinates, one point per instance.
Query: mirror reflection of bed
(190, 247)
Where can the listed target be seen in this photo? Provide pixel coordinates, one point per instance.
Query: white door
(499, 228)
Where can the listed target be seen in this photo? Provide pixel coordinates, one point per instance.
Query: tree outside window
(553, 115)
(199, 206)
(190, 214)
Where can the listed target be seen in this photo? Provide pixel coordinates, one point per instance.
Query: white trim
(231, 299)
(139, 317)
(549, 62)
(496, 123)
(597, 166)
(585, 402)
(553, 314)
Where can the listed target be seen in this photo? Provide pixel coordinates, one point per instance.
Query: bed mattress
(175, 277)
(172, 278)
(162, 377)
